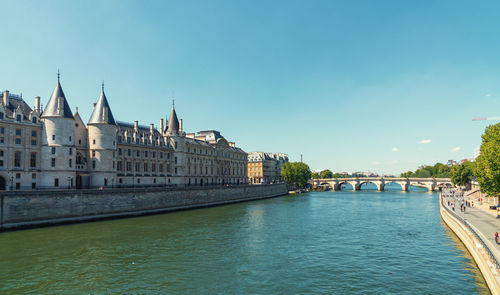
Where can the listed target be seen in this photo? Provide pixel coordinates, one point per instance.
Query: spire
(57, 105)
(102, 112)
(173, 122)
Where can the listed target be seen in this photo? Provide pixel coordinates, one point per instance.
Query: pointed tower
(102, 131)
(58, 142)
(173, 123)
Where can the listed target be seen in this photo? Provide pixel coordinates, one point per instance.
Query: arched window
(79, 158)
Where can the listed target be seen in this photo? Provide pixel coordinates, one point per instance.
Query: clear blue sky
(352, 85)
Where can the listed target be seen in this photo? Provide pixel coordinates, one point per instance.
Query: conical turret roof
(102, 112)
(173, 123)
(51, 107)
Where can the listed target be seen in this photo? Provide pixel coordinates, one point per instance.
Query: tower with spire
(102, 131)
(58, 141)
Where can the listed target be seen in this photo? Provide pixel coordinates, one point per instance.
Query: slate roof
(173, 122)
(130, 127)
(97, 115)
(51, 107)
(16, 101)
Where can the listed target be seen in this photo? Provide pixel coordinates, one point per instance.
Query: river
(365, 242)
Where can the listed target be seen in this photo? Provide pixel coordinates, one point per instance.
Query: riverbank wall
(476, 244)
(28, 209)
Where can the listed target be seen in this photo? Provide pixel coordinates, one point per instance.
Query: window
(18, 141)
(53, 150)
(161, 155)
(33, 160)
(168, 156)
(33, 175)
(119, 152)
(137, 167)
(34, 120)
(145, 167)
(129, 166)
(93, 164)
(176, 145)
(18, 131)
(53, 162)
(128, 153)
(93, 153)
(137, 153)
(70, 162)
(146, 154)
(53, 137)
(154, 154)
(175, 170)
(1, 116)
(79, 141)
(33, 133)
(2, 129)
(105, 182)
(70, 139)
(18, 185)
(120, 180)
(119, 139)
(93, 141)
(18, 175)
(18, 118)
(17, 159)
(1, 153)
(33, 142)
(56, 182)
(33, 185)
(175, 160)
(1, 163)
(70, 152)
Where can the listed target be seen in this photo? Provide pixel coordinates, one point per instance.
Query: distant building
(451, 163)
(265, 167)
(52, 148)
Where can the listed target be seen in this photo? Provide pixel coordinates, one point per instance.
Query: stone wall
(23, 209)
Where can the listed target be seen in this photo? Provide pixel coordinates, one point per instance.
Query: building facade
(265, 167)
(53, 148)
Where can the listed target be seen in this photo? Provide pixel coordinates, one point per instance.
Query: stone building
(265, 167)
(53, 148)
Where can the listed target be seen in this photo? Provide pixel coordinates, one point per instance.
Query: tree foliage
(296, 173)
(326, 174)
(488, 163)
(315, 175)
(462, 174)
(439, 170)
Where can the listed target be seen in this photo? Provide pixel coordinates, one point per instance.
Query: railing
(476, 234)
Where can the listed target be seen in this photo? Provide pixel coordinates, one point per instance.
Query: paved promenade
(484, 222)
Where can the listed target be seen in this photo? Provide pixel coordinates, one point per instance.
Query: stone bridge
(431, 184)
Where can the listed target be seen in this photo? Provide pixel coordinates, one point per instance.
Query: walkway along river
(364, 242)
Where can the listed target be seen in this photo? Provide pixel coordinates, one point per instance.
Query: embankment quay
(26, 209)
(430, 184)
(476, 230)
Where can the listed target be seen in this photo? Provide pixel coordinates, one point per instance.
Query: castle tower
(58, 146)
(102, 131)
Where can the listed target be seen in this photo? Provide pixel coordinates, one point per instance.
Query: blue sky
(352, 85)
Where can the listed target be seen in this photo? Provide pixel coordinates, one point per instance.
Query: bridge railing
(478, 236)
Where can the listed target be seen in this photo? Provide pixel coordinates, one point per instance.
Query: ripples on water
(320, 243)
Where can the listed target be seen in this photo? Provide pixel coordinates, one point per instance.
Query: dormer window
(18, 118)
(34, 120)
(1, 115)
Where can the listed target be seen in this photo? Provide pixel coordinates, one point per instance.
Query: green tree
(462, 174)
(296, 173)
(487, 170)
(315, 175)
(326, 174)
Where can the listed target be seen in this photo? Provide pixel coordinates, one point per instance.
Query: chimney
(6, 98)
(60, 105)
(37, 103)
(180, 126)
(161, 126)
(105, 114)
(151, 127)
(136, 126)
